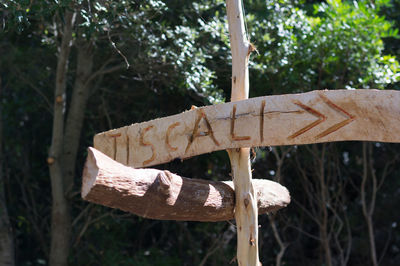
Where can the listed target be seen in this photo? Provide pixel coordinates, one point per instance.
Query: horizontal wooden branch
(158, 194)
(312, 117)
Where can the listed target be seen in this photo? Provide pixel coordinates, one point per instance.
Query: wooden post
(246, 202)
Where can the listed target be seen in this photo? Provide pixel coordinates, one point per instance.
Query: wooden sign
(313, 117)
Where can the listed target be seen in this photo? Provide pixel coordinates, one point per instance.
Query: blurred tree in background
(73, 68)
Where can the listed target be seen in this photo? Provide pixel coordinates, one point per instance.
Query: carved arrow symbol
(322, 118)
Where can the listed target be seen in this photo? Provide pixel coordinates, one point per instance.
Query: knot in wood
(252, 48)
(59, 99)
(252, 241)
(165, 179)
(246, 202)
(50, 160)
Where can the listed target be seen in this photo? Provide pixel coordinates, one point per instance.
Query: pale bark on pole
(158, 194)
(246, 203)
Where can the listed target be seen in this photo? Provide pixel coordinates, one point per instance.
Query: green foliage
(18, 15)
(339, 46)
(160, 42)
(350, 35)
(163, 39)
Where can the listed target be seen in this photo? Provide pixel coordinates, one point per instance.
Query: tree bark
(157, 194)
(246, 215)
(60, 216)
(76, 112)
(6, 235)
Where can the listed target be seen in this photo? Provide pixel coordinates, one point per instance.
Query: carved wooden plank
(157, 194)
(312, 117)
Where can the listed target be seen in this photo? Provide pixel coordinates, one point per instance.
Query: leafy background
(156, 58)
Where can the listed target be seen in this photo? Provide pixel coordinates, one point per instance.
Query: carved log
(158, 194)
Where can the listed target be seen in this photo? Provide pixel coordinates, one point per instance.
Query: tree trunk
(6, 236)
(76, 112)
(158, 194)
(369, 207)
(60, 216)
(246, 203)
(323, 200)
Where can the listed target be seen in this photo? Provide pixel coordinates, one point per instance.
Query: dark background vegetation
(344, 195)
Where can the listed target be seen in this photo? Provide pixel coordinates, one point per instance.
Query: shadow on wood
(158, 194)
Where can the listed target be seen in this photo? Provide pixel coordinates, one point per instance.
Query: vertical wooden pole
(246, 202)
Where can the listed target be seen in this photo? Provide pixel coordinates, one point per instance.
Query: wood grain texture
(157, 194)
(312, 117)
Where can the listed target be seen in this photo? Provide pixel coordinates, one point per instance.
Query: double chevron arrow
(322, 118)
